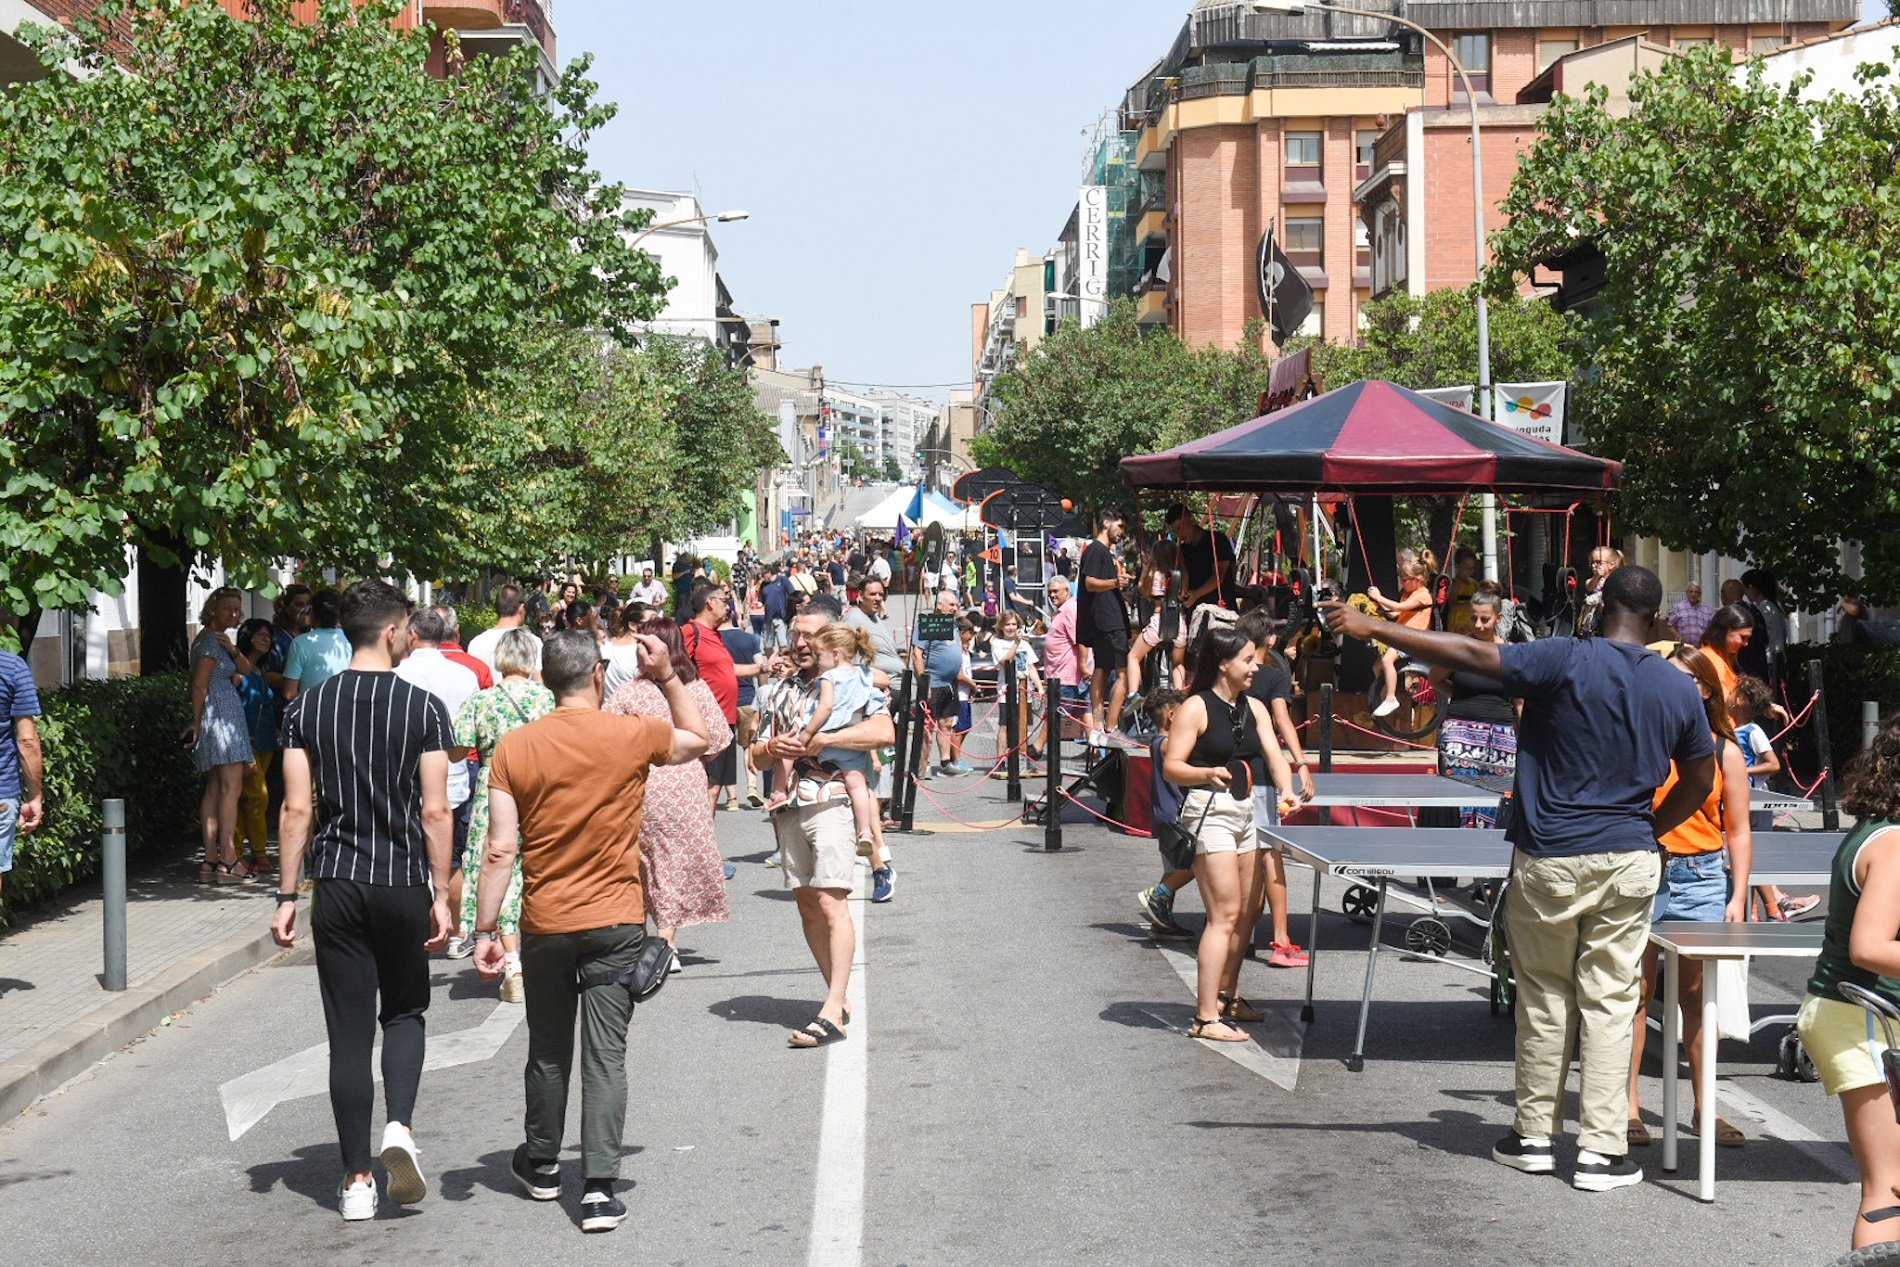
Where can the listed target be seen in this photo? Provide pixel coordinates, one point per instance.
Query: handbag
(644, 979)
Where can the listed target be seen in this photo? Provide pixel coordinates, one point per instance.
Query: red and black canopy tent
(1379, 440)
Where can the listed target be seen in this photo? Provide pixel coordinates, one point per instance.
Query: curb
(124, 1017)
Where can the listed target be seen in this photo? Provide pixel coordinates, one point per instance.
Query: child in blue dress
(846, 695)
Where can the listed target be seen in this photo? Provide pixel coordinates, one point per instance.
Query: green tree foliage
(893, 470)
(1742, 355)
(1431, 340)
(587, 449)
(252, 280)
(1087, 397)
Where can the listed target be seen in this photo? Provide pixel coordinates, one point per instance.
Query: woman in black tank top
(1212, 750)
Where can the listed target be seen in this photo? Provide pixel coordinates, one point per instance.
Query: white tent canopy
(937, 508)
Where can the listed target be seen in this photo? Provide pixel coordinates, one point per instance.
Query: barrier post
(1013, 732)
(1824, 750)
(1869, 723)
(1052, 803)
(900, 716)
(112, 874)
(918, 704)
(1326, 740)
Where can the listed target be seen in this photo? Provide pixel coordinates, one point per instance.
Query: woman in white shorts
(1213, 750)
(1859, 947)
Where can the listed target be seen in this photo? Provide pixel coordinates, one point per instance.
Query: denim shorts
(9, 827)
(1694, 886)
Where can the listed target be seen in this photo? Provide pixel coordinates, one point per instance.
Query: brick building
(1321, 123)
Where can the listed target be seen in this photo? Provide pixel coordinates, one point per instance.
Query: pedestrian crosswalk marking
(1274, 1053)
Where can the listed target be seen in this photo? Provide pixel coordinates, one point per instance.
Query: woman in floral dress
(680, 864)
(516, 700)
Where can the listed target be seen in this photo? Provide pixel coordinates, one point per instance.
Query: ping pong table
(1377, 856)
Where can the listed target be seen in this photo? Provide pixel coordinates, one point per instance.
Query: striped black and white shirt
(364, 735)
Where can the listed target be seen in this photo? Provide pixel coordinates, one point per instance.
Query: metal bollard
(112, 875)
(910, 763)
(1013, 732)
(1824, 749)
(1052, 802)
(1325, 741)
(900, 712)
(1869, 723)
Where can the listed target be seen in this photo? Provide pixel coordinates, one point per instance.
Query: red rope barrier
(1380, 734)
(1090, 810)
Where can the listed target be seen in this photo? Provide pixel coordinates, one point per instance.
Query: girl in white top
(1010, 644)
(1156, 580)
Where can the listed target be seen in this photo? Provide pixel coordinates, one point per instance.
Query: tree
(253, 280)
(719, 439)
(1431, 340)
(1086, 397)
(851, 459)
(893, 469)
(1741, 357)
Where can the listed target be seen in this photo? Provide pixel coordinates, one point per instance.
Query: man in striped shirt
(366, 762)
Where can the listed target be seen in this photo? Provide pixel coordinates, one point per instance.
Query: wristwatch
(286, 897)
(485, 934)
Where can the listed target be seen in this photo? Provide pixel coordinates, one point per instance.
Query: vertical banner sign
(1091, 280)
(1536, 409)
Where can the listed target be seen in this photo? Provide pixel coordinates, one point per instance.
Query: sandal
(1235, 1008)
(242, 870)
(219, 873)
(1727, 1135)
(1639, 1136)
(818, 1032)
(1199, 1030)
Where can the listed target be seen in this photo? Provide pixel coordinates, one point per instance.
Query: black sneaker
(601, 1210)
(541, 1180)
(1607, 1173)
(1532, 1159)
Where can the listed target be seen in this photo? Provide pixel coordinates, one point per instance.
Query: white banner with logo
(1536, 409)
(1456, 397)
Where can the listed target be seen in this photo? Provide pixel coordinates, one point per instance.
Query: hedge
(103, 739)
(1848, 676)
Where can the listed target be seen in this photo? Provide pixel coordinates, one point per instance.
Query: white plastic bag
(1731, 1000)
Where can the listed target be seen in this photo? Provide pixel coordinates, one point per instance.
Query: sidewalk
(184, 939)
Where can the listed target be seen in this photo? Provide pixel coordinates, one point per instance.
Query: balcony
(1151, 306)
(1153, 225)
(489, 15)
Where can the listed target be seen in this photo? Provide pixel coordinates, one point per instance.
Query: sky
(893, 155)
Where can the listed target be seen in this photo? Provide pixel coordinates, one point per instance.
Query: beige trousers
(1577, 929)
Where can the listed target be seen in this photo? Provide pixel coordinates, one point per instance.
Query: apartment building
(1008, 325)
(1256, 119)
(698, 306)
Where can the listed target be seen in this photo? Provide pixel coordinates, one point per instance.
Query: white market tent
(937, 509)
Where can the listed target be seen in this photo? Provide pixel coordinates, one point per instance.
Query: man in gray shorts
(816, 837)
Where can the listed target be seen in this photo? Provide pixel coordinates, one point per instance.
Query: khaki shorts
(748, 725)
(1844, 1042)
(819, 844)
(1228, 827)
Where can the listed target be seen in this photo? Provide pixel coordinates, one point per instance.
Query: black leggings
(369, 938)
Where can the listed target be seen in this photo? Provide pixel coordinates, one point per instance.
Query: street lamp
(722, 217)
(1295, 7)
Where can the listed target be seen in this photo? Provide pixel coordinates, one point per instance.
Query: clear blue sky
(893, 155)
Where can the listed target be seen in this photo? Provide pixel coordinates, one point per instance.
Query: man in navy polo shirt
(1603, 719)
(21, 774)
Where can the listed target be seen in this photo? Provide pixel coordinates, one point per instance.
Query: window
(1304, 241)
(1473, 51)
(1303, 150)
(1315, 323)
(1362, 147)
(1362, 245)
(1022, 305)
(1548, 51)
(1766, 43)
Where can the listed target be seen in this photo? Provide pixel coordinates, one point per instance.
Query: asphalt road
(1019, 1092)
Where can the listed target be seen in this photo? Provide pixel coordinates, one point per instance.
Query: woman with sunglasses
(1213, 750)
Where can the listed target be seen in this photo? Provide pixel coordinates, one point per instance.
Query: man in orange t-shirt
(571, 786)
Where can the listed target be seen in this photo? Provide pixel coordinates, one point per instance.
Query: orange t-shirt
(1702, 831)
(1723, 670)
(579, 780)
(1418, 617)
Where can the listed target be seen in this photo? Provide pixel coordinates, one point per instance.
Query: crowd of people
(427, 792)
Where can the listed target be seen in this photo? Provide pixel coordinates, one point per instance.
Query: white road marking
(1774, 1124)
(247, 1099)
(837, 1217)
(1274, 1053)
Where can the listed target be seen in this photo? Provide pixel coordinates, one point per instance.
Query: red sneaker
(1287, 955)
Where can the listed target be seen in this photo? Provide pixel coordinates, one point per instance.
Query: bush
(1848, 675)
(104, 739)
(475, 618)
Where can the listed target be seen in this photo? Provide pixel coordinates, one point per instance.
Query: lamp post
(723, 217)
(1294, 7)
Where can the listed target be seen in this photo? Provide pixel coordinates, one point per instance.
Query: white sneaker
(1098, 739)
(357, 1200)
(460, 947)
(400, 1159)
(1386, 708)
(676, 965)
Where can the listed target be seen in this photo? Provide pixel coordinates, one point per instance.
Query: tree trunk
(162, 614)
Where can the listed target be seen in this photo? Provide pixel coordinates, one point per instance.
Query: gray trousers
(551, 964)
